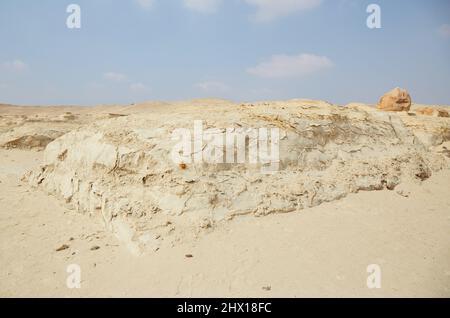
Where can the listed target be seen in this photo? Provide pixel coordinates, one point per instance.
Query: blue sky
(136, 50)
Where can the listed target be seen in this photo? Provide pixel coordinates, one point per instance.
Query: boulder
(397, 100)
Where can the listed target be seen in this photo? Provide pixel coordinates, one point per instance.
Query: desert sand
(95, 186)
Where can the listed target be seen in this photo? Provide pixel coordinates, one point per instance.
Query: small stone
(94, 248)
(62, 248)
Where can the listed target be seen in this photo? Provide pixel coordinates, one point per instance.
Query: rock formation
(432, 111)
(121, 169)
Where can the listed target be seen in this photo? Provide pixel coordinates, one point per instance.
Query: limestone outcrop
(122, 169)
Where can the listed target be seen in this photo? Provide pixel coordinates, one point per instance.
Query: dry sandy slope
(322, 251)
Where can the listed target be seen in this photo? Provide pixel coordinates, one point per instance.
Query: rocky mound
(122, 169)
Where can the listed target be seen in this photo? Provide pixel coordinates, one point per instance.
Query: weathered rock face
(122, 169)
(397, 100)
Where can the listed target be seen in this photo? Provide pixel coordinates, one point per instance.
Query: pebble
(62, 248)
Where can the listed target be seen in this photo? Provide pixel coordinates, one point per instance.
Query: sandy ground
(323, 251)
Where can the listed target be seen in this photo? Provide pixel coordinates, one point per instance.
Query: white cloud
(115, 77)
(15, 66)
(212, 87)
(203, 6)
(444, 30)
(284, 66)
(268, 10)
(138, 88)
(145, 4)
